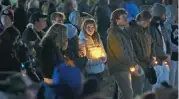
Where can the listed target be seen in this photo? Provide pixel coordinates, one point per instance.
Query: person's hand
(154, 58)
(168, 60)
(103, 58)
(137, 70)
(154, 61)
(81, 54)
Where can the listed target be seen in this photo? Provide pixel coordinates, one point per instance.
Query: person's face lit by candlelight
(90, 28)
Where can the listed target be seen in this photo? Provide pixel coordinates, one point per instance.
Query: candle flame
(156, 62)
(132, 69)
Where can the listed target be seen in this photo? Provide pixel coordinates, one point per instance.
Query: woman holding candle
(91, 46)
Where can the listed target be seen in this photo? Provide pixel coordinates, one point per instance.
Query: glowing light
(156, 62)
(132, 69)
(22, 65)
(97, 53)
(165, 63)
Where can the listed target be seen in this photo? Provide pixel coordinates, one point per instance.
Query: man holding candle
(120, 52)
(162, 43)
(143, 47)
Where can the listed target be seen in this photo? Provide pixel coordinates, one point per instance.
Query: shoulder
(82, 38)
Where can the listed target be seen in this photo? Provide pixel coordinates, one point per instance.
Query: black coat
(20, 19)
(7, 47)
(174, 39)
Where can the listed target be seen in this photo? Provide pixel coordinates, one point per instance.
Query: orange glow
(97, 53)
(132, 69)
(156, 62)
(165, 63)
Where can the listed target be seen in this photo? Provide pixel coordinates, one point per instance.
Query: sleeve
(153, 48)
(104, 52)
(168, 42)
(82, 53)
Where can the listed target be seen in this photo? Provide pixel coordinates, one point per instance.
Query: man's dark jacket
(120, 50)
(143, 44)
(157, 37)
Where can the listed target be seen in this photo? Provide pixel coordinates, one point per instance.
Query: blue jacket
(64, 74)
(131, 9)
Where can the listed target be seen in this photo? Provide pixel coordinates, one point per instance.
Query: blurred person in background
(8, 40)
(163, 43)
(69, 6)
(5, 4)
(57, 66)
(114, 4)
(103, 22)
(77, 18)
(57, 17)
(73, 40)
(47, 8)
(145, 8)
(144, 48)
(34, 32)
(83, 6)
(120, 52)
(174, 57)
(52, 45)
(32, 7)
(132, 9)
(20, 16)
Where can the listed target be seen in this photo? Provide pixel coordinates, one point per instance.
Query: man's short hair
(36, 16)
(145, 7)
(116, 13)
(57, 14)
(144, 16)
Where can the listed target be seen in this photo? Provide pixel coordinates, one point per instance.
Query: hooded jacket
(131, 9)
(93, 66)
(120, 50)
(157, 37)
(143, 44)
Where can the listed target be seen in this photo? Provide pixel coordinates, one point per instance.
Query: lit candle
(97, 53)
(132, 69)
(165, 63)
(156, 62)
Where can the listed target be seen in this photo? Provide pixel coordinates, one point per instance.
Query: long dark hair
(51, 45)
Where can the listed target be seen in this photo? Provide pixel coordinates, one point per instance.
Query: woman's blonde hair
(56, 33)
(95, 36)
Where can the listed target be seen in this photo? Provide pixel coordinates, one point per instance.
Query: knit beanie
(158, 10)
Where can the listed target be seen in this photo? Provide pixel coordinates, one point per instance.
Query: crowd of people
(61, 50)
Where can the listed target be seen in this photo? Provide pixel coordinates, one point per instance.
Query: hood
(82, 35)
(158, 10)
(71, 31)
(30, 25)
(74, 17)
